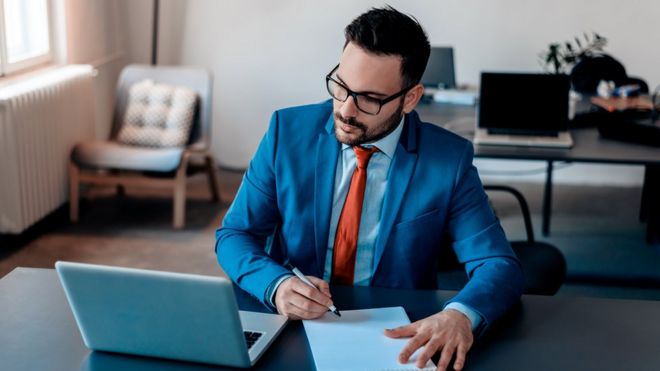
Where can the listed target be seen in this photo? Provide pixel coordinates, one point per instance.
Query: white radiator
(41, 118)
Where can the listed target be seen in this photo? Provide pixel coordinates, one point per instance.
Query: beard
(364, 134)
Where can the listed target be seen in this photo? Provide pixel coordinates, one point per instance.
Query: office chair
(543, 265)
(113, 163)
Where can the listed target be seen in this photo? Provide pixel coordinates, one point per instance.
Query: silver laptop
(163, 314)
(523, 109)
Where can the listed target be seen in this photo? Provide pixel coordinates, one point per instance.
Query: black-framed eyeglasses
(364, 102)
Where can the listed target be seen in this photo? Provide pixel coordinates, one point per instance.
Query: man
(357, 190)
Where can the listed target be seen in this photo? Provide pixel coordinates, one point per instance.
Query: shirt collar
(386, 145)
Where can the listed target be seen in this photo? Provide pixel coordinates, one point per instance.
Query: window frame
(7, 68)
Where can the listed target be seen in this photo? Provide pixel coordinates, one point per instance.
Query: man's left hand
(449, 331)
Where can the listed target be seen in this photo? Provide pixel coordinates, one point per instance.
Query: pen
(302, 277)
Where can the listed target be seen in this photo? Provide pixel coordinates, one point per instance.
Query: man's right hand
(297, 300)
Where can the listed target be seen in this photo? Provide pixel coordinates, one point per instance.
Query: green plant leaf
(577, 41)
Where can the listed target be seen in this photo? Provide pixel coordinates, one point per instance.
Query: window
(24, 34)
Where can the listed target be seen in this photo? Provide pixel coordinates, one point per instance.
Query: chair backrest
(524, 208)
(198, 79)
(543, 265)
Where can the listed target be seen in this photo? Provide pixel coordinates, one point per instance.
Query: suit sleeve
(495, 275)
(251, 219)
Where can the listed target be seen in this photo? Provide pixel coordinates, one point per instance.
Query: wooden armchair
(113, 163)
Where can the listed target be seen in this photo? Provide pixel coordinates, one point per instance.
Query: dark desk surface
(588, 146)
(38, 332)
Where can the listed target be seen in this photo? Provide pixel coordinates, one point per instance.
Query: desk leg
(650, 208)
(547, 200)
(646, 194)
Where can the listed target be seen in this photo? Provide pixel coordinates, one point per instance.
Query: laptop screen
(526, 104)
(439, 71)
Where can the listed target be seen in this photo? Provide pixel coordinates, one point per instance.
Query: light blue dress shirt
(377, 176)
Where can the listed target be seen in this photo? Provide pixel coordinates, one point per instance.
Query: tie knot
(363, 155)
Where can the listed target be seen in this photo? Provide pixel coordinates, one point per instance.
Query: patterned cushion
(158, 115)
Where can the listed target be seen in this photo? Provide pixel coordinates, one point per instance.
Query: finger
(321, 284)
(300, 313)
(445, 356)
(461, 352)
(284, 307)
(413, 344)
(429, 350)
(311, 308)
(290, 313)
(312, 293)
(403, 331)
(293, 312)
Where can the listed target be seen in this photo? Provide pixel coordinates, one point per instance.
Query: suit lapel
(400, 174)
(327, 153)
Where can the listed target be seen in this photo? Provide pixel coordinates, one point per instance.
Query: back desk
(589, 147)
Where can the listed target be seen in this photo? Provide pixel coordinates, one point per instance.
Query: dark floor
(597, 228)
(134, 230)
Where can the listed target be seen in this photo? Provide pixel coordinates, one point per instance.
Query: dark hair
(390, 32)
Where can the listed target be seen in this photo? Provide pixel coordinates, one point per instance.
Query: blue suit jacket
(283, 206)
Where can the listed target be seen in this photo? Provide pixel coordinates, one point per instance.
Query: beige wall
(137, 24)
(95, 34)
(94, 30)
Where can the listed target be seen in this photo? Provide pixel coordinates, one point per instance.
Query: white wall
(270, 54)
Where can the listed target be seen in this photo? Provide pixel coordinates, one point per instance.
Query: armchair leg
(74, 186)
(179, 204)
(121, 190)
(180, 194)
(212, 173)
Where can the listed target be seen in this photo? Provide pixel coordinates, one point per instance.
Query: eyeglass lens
(363, 102)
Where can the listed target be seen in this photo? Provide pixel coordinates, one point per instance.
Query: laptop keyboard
(251, 337)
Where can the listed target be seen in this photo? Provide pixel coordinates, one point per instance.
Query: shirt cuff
(473, 316)
(272, 289)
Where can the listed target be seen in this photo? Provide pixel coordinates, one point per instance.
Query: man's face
(380, 77)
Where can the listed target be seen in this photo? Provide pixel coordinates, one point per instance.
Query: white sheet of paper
(356, 340)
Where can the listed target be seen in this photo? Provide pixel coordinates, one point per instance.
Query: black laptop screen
(528, 104)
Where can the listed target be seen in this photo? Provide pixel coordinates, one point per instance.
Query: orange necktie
(348, 227)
